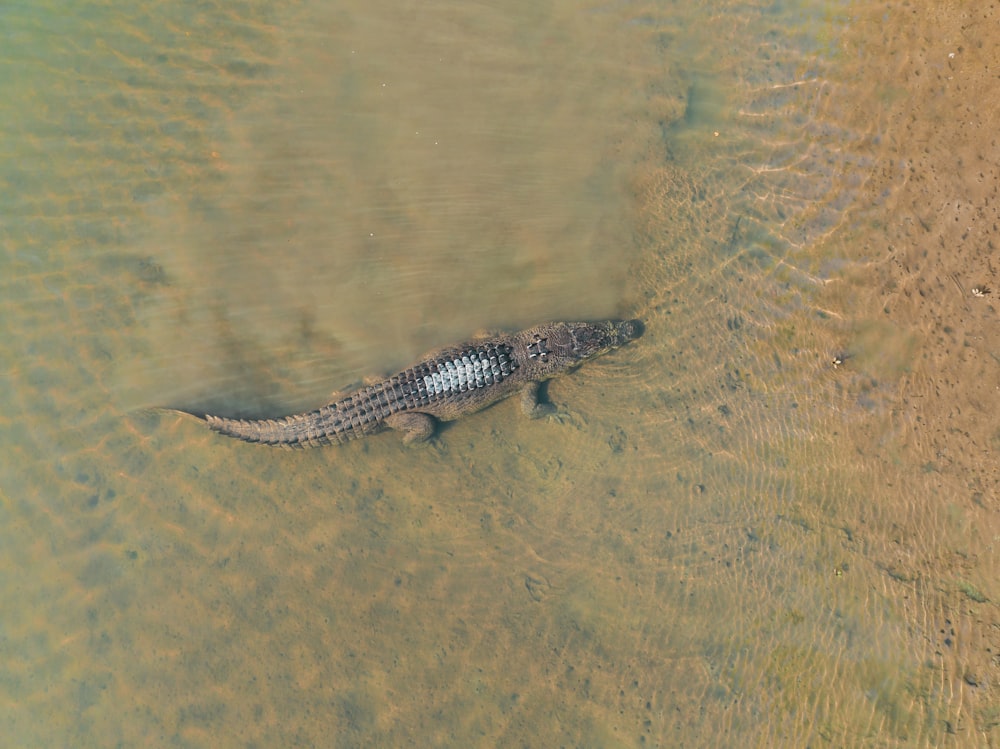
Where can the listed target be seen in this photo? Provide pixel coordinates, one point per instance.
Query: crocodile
(445, 386)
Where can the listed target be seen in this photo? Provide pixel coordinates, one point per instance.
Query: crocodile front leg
(532, 407)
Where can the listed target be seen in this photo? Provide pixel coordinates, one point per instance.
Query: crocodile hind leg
(415, 426)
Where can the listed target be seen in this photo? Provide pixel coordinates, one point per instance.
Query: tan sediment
(923, 252)
(727, 540)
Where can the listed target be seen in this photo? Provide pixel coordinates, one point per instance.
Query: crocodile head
(557, 346)
(587, 340)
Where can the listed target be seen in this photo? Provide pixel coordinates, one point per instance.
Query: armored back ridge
(445, 386)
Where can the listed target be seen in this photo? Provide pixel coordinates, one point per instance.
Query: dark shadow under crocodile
(447, 385)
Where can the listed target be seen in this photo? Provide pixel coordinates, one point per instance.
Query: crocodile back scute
(456, 372)
(452, 375)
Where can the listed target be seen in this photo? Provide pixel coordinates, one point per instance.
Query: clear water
(726, 539)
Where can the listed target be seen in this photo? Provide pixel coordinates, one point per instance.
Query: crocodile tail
(291, 431)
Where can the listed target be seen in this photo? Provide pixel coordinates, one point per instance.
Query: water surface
(771, 521)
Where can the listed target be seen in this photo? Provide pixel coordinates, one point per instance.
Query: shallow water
(770, 521)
